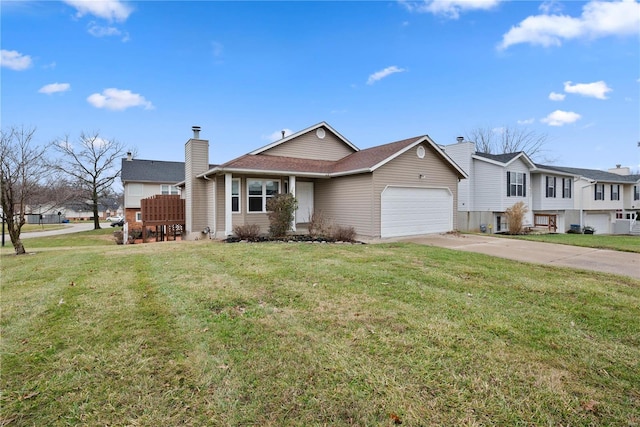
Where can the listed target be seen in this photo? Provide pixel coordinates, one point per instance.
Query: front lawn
(600, 241)
(278, 334)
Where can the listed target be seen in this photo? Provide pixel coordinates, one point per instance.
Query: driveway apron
(602, 260)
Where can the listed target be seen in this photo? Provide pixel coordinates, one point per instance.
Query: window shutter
(554, 186)
(524, 185)
(508, 184)
(546, 185)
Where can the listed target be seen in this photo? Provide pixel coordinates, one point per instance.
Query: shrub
(318, 225)
(281, 208)
(515, 217)
(247, 231)
(343, 234)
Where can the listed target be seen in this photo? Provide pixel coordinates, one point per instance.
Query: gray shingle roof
(152, 171)
(502, 158)
(353, 163)
(594, 174)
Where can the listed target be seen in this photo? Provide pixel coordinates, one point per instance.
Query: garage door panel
(410, 211)
(601, 222)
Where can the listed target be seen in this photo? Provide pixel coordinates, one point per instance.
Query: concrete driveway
(624, 263)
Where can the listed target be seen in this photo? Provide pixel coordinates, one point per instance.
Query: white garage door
(601, 222)
(408, 211)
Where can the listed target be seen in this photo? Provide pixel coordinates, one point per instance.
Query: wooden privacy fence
(546, 220)
(165, 212)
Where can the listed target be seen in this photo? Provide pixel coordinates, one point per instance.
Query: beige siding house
(407, 187)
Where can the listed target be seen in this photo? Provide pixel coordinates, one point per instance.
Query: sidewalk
(69, 228)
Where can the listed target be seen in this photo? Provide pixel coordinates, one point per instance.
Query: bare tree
(53, 194)
(23, 167)
(501, 140)
(92, 163)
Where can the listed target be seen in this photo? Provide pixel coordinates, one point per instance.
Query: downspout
(228, 215)
(292, 190)
(208, 229)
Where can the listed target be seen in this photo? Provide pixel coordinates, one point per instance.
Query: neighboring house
(495, 183)
(557, 197)
(71, 210)
(608, 201)
(553, 199)
(146, 178)
(408, 187)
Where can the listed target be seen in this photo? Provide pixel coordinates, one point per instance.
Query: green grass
(201, 333)
(102, 237)
(28, 228)
(600, 241)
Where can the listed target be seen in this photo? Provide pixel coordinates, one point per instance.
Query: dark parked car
(118, 223)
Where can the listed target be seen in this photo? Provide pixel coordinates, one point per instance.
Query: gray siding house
(407, 187)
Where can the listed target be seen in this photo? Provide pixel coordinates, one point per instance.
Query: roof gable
(320, 129)
(505, 159)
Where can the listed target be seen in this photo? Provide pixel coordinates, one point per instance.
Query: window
(566, 188)
(235, 195)
(516, 184)
(615, 191)
(636, 192)
(259, 191)
(619, 214)
(138, 216)
(169, 189)
(551, 186)
(599, 192)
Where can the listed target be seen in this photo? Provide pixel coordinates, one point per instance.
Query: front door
(304, 196)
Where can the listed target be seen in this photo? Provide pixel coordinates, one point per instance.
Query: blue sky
(377, 71)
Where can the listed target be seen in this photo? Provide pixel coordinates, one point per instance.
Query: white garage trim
(410, 211)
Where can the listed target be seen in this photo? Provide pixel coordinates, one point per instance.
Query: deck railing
(546, 220)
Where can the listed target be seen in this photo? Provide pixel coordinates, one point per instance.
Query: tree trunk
(19, 247)
(96, 218)
(14, 233)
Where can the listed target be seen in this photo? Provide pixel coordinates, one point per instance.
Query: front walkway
(602, 260)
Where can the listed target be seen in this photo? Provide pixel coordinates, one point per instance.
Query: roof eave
(248, 171)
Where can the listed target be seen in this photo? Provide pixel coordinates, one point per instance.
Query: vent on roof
(196, 132)
(460, 138)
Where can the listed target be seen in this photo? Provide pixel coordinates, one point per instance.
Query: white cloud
(14, 60)
(449, 8)
(560, 118)
(598, 19)
(277, 135)
(379, 75)
(54, 88)
(118, 99)
(557, 96)
(550, 6)
(526, 121)
(217, 49)
(595, 90)
(111, 10)
(102, 31)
